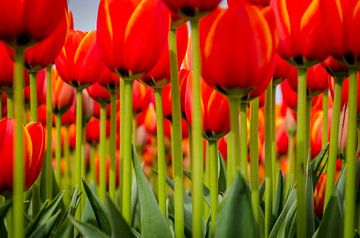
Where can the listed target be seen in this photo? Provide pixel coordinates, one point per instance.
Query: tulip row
(199, 109)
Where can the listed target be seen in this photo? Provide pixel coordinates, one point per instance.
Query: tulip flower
(34, 147)
(281, 70)
(192, 8)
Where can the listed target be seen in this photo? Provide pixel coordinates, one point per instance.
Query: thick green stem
(102, 169)
(176, 140)
(308, 116)
(33, 97)
(325, 108)
(350, 180)
(230, 168)
(301, 155)
(213, 163)
(18, 178)
(122, 106)
(234, 135)
(112, 176)
(10, 105)
(198, 147)
(268, 160)
(127, 153)
(161, 152)
(58, 148)
(243, 139)
(273, 145)
(254, 159)
(333, 148)
(78, 146)
(68, 184)
(48, 155)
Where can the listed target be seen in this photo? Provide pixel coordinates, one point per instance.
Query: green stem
(176, 132)
(268, 160)
(161, 152)
(112, 176)
(301, 155)
(292, 162)
(102, 169)
(254, 159)
(58, 148)
(18, 178)
(48, 155)
(308, 116)
(243, 139)
(350, 180)
(92, 173)
(198, 159)
(213, 163)
(230, 159)
(10, 104)
(273, 145)
(325, 105)
(122, 106)
(68, 166)
(234, 135)
(127, 147)
(78, 146)
(83, 165)
(333, 148)
(33, 97)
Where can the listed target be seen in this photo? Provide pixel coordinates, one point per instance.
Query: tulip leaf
(278, 196)
(88, 231)
(4, 208)
(290, 222)
(119, 227)
(98, 209)
(318, 165)
(222, 175)
(206, 190)
(46, 228)
(47, 210)
(280, 222)
(331, 224)
(235, 215)
(153, 223)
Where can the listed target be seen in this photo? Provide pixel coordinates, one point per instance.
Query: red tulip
(34, 147)
(281, 71)
(344, 95)
(117, 172)
(92, 130)
(63, 95)
(141, 97)
(289, 96)
(132, 42)
(159, 75)
(78, 63)
(109, 80)
(191, 8)
(25, 21)
(72, 136)
(99, 94)
(108, 109)
(247, 62)
(317, 79)
(281, 137)
(7, 68)
(3, 103)
(45, 52)
(335, 68)
(301, 34)
(316, 132)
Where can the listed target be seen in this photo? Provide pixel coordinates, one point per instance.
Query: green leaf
(310, 201)
(280, 222)
(98, 209)
(222, 175)
(3, 231)
(318, 164)
(45, 229)
(235, 216)
(206, 190)
(4, 208)
(290, 222)
(119, 227)
(153, 223)
(47, 210)
(88, 231)
(278, 196)
(331, 225)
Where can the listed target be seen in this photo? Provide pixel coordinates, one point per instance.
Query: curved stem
(78, 146)
(33, 97)
(102, 170)
(18, 177)
(325, 108)
(198, 147)
(254, 158)
(48, 155)
(213, 163)
(301, 155)
(350, 180)
(161, 152)
(333, 148)
(268, 160)
(127, 147)
(234, 135)
(112, 176)
(243, 139)
(10, 105)
(58, 148)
